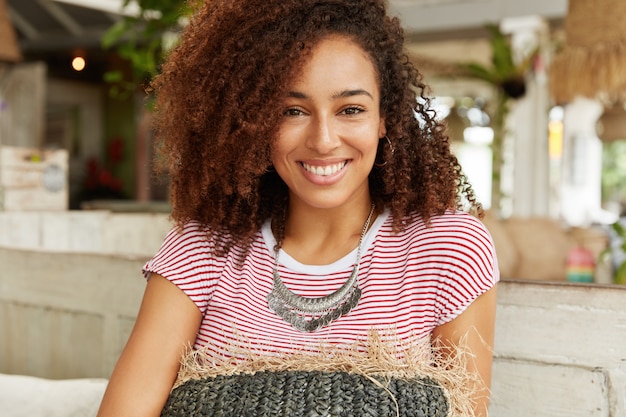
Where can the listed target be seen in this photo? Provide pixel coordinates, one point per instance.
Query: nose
(323, 137)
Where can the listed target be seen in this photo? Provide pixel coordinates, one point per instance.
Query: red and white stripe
(412, 282)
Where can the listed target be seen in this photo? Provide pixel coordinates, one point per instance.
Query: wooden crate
(33, 179)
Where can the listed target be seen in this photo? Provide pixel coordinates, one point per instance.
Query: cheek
(277, 148)
(372, 150)
(287, 139)
(366, 142)
(280, 149)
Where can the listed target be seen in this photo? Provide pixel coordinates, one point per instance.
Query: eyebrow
(340, 94)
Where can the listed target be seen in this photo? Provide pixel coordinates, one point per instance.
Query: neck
(317, 236)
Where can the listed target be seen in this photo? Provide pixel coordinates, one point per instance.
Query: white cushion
(22, 396)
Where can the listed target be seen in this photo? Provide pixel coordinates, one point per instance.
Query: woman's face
(331, 126)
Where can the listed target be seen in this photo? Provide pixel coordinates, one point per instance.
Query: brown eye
(293, 112)
(352, 110)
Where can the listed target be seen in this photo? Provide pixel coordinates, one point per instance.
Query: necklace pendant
(298, 319)
(294, 309)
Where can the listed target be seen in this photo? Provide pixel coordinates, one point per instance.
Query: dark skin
(167, 322)
(325, 219)
(251, 111)
(218, 109)
(142, 369)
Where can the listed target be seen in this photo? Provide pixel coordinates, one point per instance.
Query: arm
(166, 325)
(474, 329)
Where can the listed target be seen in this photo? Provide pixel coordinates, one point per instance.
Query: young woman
(315, 196)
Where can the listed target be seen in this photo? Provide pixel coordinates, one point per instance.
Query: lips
(324, 170)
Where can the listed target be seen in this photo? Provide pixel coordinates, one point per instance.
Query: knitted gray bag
(306, 394)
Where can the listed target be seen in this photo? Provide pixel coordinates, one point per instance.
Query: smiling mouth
(324, 171)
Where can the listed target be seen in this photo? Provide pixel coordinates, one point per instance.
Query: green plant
(509, 80)
(614, 171)
(613, 253)
(139, 39)
(620, 272)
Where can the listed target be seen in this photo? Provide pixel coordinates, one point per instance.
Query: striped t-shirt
(411, 282)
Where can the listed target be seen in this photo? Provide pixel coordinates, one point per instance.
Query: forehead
(335, 58)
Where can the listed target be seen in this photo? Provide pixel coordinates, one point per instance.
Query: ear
(382, 129)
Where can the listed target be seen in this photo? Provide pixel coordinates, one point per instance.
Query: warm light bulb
(78, 63)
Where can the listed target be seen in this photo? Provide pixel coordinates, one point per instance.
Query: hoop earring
(391, 148)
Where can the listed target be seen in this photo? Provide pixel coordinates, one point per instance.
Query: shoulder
(191, 236)
(464, 234)
(451, 227)
(189, 230)
(186, 247)
(459, 227)
(455, 240)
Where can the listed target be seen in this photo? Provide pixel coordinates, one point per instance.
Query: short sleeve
(185, 259)
(471, 266)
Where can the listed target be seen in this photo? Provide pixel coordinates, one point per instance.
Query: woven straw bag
(306, 394)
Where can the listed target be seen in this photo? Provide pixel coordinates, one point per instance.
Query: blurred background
(533, 94)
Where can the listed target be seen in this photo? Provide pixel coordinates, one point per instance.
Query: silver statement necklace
(295, 309)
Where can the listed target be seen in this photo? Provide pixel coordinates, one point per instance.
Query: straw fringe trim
(375, 359)
(589, 72)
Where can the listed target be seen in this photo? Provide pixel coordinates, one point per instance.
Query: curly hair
(218, 101)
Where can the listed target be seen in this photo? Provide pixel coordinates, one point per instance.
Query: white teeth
(324, 171)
